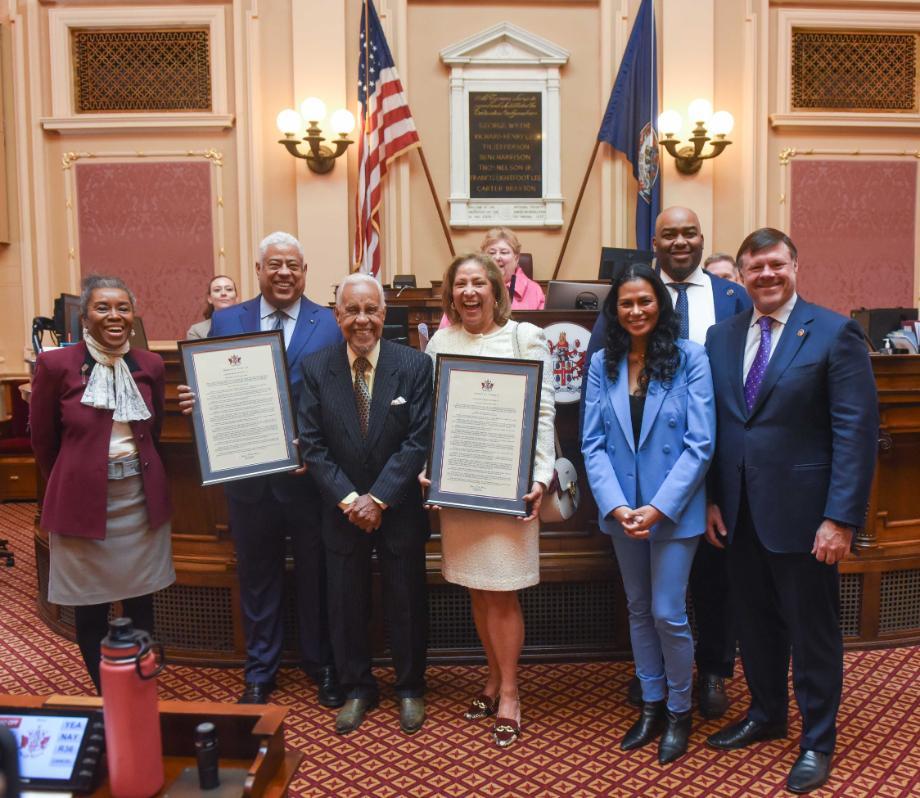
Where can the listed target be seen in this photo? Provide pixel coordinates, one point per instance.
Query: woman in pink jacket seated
(502, 245)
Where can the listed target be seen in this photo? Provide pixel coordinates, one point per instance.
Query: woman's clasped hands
(637, 523)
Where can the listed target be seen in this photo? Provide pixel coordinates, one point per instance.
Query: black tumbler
(207, 756)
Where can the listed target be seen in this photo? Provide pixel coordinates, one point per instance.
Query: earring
(133, 333)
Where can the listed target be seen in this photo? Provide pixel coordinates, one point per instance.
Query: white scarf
(110, 385)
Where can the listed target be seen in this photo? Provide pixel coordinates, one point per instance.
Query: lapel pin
(730, 292)
(800, 332)
(312, 321)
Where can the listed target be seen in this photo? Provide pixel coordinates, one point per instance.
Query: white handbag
(562, 495)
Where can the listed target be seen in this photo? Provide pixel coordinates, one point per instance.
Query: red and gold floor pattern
(573, 718)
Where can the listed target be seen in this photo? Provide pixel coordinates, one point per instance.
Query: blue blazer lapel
(618, 396)
(789, 344)
(724, 298)
(653, 401)
(306, 325)
(343, 386)
(736, 341)
(250, 320)
(386, 382)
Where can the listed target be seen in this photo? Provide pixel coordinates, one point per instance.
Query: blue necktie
(759, 366)
(280, 316)
(682, 309)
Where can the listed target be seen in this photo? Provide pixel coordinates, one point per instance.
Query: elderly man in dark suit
(795, 452)
(364, 420)
(700, 300)
(266, 511)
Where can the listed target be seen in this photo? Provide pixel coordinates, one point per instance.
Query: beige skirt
(132, 560)
(489, 551)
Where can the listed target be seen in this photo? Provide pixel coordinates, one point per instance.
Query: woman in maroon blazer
(96, 412)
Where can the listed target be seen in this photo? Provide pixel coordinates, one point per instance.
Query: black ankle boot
(647, 728)
(673, 743)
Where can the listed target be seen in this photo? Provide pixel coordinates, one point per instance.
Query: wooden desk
(250, 737)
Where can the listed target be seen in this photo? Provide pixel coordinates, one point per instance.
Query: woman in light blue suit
(649, 435)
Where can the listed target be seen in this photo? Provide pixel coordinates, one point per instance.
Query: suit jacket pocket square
(399, 400)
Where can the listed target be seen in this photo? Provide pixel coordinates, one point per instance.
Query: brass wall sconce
(688, 159)
(319, 158)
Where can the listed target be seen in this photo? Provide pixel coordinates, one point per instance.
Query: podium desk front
(250, 737)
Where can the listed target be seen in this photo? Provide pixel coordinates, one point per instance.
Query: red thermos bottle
(134, 749)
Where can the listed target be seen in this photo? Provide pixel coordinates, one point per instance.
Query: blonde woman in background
(502, 245)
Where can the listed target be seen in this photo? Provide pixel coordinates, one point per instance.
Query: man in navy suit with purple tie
(797, 430)
(700, 300)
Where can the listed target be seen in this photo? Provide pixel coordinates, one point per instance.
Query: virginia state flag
(630, 122)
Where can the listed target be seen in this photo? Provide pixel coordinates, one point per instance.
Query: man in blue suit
(797, 429)
(700, 299)
(265, 511)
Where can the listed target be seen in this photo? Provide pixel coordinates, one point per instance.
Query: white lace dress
(491, 551)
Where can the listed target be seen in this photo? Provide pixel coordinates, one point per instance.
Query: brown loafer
(481, 707)
(506, 732)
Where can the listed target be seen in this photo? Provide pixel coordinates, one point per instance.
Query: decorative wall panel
(118, 71)
(854, 71)
(150, 224)
(854, 224)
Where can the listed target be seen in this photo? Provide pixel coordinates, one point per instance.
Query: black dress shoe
(256, 693)
(713, 701)
(745, 732)
(647, 728)
(329, 692)
(634, 692)
(809, 772)
(676, 736)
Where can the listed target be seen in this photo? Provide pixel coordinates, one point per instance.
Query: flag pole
(434, 197)
(581, 193)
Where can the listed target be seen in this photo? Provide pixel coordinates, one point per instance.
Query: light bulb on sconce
(700, 111)
(689, 159)
(319, 158)
(289, 122)
(721, 123)
(342, 122)
(670, 123)
(313, 109)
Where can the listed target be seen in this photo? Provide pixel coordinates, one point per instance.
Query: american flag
(387, 131)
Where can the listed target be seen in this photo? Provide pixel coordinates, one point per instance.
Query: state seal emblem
(648, 164)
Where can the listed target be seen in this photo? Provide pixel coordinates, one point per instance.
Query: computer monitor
(67, 322)
(566, 295)
(613, 259)
(396, 324)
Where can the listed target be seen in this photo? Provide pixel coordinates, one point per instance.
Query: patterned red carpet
(574, 716)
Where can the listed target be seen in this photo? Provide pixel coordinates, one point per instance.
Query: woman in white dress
(491, 554)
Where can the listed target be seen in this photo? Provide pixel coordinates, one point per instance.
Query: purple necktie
(759, 366)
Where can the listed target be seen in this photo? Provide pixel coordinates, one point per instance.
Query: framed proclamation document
(243, 417)
(484, 435)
